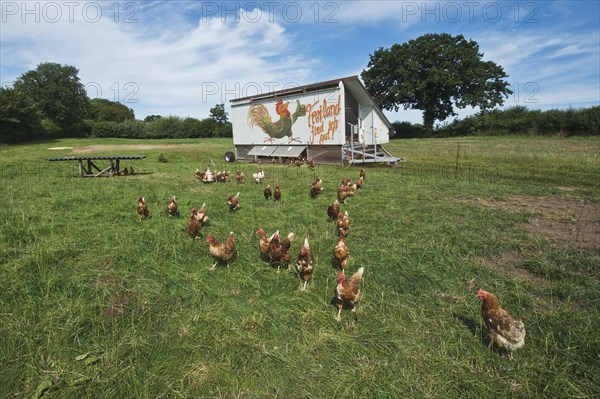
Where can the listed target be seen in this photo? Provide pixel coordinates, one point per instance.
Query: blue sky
(183, 57)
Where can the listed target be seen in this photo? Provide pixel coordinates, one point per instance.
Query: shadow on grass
(221, 264)
(486, 342)
(136, 174)
(473, 327)
(347, 307)
(336, 264)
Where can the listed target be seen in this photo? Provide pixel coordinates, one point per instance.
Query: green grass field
(94, 304)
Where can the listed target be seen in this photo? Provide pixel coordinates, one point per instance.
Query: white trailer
(329, 122)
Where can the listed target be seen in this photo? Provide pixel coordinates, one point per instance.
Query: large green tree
(151, 118)
(20, 118)
(221, 127)
(434, 73)
(104, 110)
(57, 91)
(218, 114)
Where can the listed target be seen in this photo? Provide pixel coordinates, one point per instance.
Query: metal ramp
(361, 154)
(356, 151)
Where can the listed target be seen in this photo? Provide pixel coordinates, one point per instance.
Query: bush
(223, 130)
(167, 127)
(158, 128)
(82, 129)
(132, 129)
(520, 120)
(104, 129)
(128, 129)
(51, 129)
(553, 121)
(191, 127)
(406, 130)
(589, 120)
(20, 117)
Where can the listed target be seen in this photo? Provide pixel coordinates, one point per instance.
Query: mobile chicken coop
(334, 122)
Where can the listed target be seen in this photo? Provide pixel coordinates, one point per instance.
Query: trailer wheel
(229, 156)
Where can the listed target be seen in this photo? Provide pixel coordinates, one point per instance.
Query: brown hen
(193, 225)
(201, 215)
(347, 291)
(505, 331)
(279, 251)
(343, 222)
(172, 207)
(304, 263)
(267, 192)
(341, 251)
(333, 210)
(221, 251)
(263, 242)
(142, 208)
(277, 194)
(233, 201)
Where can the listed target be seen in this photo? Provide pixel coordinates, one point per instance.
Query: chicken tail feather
(258, 115)
(356, 277)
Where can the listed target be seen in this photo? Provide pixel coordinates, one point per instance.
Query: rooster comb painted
(280, 107)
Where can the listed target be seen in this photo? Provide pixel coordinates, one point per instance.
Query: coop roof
(351, 83)
(293, 90)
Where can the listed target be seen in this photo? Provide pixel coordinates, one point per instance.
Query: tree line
(517, 120)
(51, 102)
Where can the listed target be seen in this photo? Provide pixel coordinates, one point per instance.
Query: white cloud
(547, 68)
(183, 73)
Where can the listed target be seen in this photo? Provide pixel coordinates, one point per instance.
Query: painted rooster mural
(258, 115)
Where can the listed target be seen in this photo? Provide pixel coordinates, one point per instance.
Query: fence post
(457, 155)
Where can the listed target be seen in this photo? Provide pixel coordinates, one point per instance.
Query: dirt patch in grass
(570, 222)
(118, 305)
(129, 147)
(507, 265)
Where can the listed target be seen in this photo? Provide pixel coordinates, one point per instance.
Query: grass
(95, 304)
(540, 160)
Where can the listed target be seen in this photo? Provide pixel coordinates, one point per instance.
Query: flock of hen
(506, 332)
